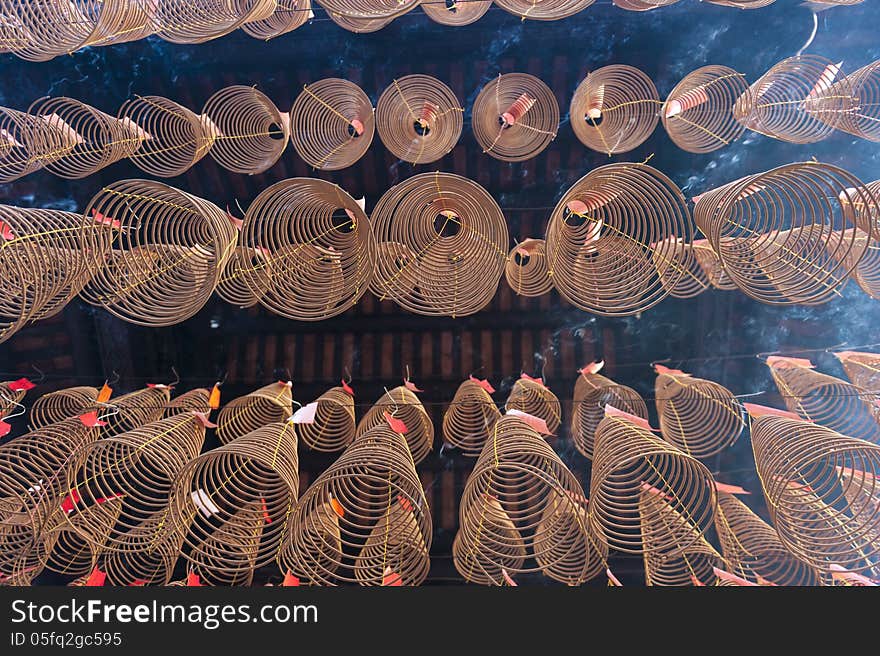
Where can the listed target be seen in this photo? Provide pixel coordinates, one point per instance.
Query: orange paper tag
(104, 394)
(290, 580)
(91, 420)
(214, 398)
(337, 507)
(405, 503)
(266, 517)
(96, 578)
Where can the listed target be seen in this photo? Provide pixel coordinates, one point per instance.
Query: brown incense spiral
(419, 119)
(364, 520)
(468, 421)
(78, 544)
(193, 401)
(369, 9)
(286, 18)
(534, 398)
(61, 405)
(402, 404)
(683, 268)
(711, 265)
(698, 113)
(629, 460)
(863, 496)
(777, 233)
(250, 133)
(608, 231)
(456, 14)
(183, 21)
(443, 245)
(133, 410)
(642, 5)
(317, 245)
(358, 25)
(515, 117)
(331, 124)
(801, 466)
(146, 553)
(614, 109)
(28, 143)
(268, 405)
(700, 417)
(745, 4)
(863, 119)
(228, 555)
(169, 253)
(526, 269)
(863, 369)
(866, 271)
(546, 10)
(592, 392)
(334, 425)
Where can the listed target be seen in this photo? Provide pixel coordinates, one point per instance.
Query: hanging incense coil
(711, 265)
(642, 5)
(627, 460)
(331, 124)
(63, 404)
(744, 4)
(250, 133)
(534, 398)
(515, 117)
(801, 466)
(573, 556)
(614, 109)
(448, 245)
(700, 417)
(456, 13)
(364, 520)
(146, 554)
(228, 555)
(698, 113)
(179, 21)
(77, 544)
(801, 99)
(286, 18)
(606, 234)
(526, 269)
(863, 369)
(592, 392)
(468, 421)
(168, 256)
(866, 271)
(682, 258)
(863, 119)
(318, 249)
(546, 10)
(358, 25)
(133, 410)
(193, 401)
(268, 405)
(43, 30)
(419, 119)
(402, 404)
(752, 548)
(369, 9)
(245, 278)
(773, 231)
(28, 143)
(334, 425)
(862, 494)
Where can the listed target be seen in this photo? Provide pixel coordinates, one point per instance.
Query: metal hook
(240, 208)
(745, 396)
(39, 371)
(13, 402)
(220, 382)
(112, 414)
(177, 375)
(393, 400)
(347, 372)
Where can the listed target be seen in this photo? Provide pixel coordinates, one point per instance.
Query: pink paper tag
(397, 425)
(485, 384)
(204, 420)
(592, 368)
(839, 573)
(525, 376)
(102, 219)
(730, 489)
(347, 388)
(96, 578)
(536, 423)
(611, 411)
(21, 385)
(780, 362)
(391, 578)
(756, 410)
(411, 386)
(507, 578)
(6, 232)
(660, 369)
(91, 420)
(238, 223)
(5, 427)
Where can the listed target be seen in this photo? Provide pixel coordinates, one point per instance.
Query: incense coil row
(63, 404)
(592, 392)
(334, 426)
(365, 520)
(526, 270)
(532, 397)
(456, 14)
(269, 404)
(522, 502)
(403, 405)
(469, 419)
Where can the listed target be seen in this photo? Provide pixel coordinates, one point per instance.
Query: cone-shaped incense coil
(228, 556)
(269, 404)
(592, 392)
(135, 409)
(535, 398)
(319, 541)
(245, 278)
(396, 542)
(193, 401)
(526, 268)
(77, 543)
(863, 369)
(402, 404)
(183, 21)
(334, 425)
(63, 404)
(295, 13)
(567, 551)
(679, 270)
(543, 9)
(468, 421)
(456, 12)
(146, 554)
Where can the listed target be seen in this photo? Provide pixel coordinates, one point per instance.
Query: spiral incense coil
(515, 117)
(334, 425)
(28, 143)
(419, 119)
(546, 10)
(169, 253)
(841, 406)
(682, 258)
(245, 278)
(228, 555)
(369, 9)
(700, 417)
(863, 119)
(863, 369)
(801, 466)
(456, 13)
(866, 271)
(193, 401)
(642, 5)
(318, 249)
(331, 124)
(358, 25)
(268, 405)
(614, 109)
(146, 553)
(286, 18)
(745, 4)
(468, 421)
(250, 133)
(698, 113)
(40, 31)
(773, 231)
(404, 405)
(592, 392)
(608, 231)
(526, 269)
(180, 21)
(711, 265)
(442, 244)
(752, 548)
(801, 99)
(863, 497)
(73, 553)
(63, 404)
(507, 550)
(627, 459)
(364, 519)
(133, 410)
(534, 398)
(574, 556)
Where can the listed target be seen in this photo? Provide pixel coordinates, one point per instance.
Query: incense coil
(27, 143)
(626, 459)
(364, 519)
(133, 410)
(77, 544)
(607, 232)
(179, 21)
(863, 369)
(318, 248)
(863, 498)
(146, 554)
(515, 117)
(797, 100)
(245, 278)
(745, 4)
(773, 231)
(63, 404)
(866, 271)
(534, 398)
(334, 425)
(286, 18)
(801, 466)
(196, 400)
(545, 10)
(270, 404)
(698, 113)
(419, 119)
(863, 119)
(404, 405)
(249, 131)
(572, 556)
(752, 548)
(711, 265)
(526, 269)
(456, 14)
(449, 245)
(331, 124)
(692, 280)
(369, 9)
(642, 5)
(469, 418)
(43, 30)
(359, 25)
(257, 471)
(592, 392)
(169, 253)
(614, 109)
(841, 406)
(700, 417)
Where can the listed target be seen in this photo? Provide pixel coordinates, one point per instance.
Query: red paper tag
(105, 220)
(732, 578)
(536, 423)
(347, 388)
(68, 504)
(96, 578)
(238, 223)
(411, 386)
(193, 580)
(288, 383)
(91, 420)
(779, 362)
(592, 368)
(405, 503)
(391, 578)
(730, 489)
(507, 578)
(6, 232)
(138, 583)
(5, 427)
(266, 517)
(104, 394)
(611, 411)
(21, 385)
(660, 369)
(290, 580)
(756, 410)
(337, 507)
(397, 425)
(525, 376)
(485, 384)
(202, 418)
(214, 398)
